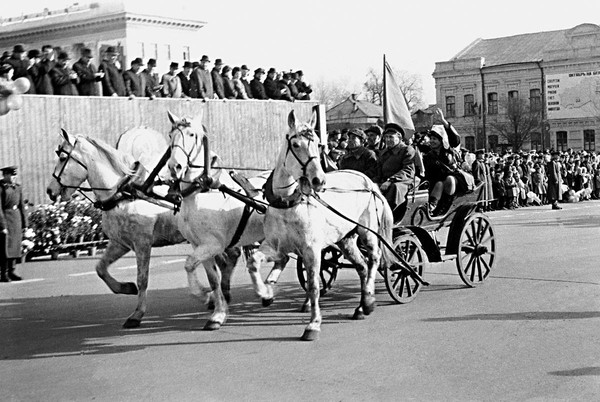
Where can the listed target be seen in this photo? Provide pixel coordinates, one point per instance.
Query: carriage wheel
(330, 260)
(400, 285)
(476, 250)
(419, 216)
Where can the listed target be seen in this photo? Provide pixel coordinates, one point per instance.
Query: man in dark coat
(185, 77)
(244, 80)
(33, 58)
(553, 170)
(282, 85)
(395, 171)
(88, 74)
(43, 83)
(18, 62)
(271, 89)
(12, 222)
(304, 90)
(481, 174)
(112, 82)
(152, 80)
(256, 86)
(135, 82)
(63, 78)
(357, 156)
(202, 84)
(230, 92)
(217, 79)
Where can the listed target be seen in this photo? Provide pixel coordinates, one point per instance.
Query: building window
(535, 99)
(561, 140)
(186, 53)
(492, 98)
(589, 140)
(470, 143)
(450, 106)
(536, 141)
(513, 95)
(493, 142)
(469, 105)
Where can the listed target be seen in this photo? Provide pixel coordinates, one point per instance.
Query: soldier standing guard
(12, 222)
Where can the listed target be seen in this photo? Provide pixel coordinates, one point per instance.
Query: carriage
(464, 234)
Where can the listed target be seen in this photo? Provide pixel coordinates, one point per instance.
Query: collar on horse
(279, 202)
(124, 190)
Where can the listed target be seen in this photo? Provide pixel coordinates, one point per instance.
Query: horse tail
(385, 231)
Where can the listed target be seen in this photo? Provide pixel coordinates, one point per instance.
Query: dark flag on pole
(395, 107)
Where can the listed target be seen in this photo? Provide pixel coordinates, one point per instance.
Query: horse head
(302, 157)
(70, 170)
(186, 143)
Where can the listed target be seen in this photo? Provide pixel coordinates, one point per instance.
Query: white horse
(211, 220)
(130, 224)
(297, 221)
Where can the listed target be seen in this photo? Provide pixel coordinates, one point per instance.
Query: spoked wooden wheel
(330, 260)
(476, 250)
(400, 285)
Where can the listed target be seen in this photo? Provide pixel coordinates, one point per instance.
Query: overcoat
(12, 218)
(62, 82)
(554, 192)
(88, 82)
(113, 82)
(43, 83)
(258, 89)
(397, 166)
(218, 83)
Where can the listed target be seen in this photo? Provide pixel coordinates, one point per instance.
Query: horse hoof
(369, 306)
(132, 323)
(358, 315)
(267, 302)
(310, 335)
(212, 326)
(129, 288)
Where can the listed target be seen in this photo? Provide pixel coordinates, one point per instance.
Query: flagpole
(384, 103)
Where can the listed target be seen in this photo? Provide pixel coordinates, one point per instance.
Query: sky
(340, 40)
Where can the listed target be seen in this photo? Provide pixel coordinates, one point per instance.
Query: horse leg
(312, 262)
(142, 256)
(273, 277)
(253, 264)
(371, 244)
(219, 315)
(353, 254)
(112, 253)
(196, 289)
(227, 261)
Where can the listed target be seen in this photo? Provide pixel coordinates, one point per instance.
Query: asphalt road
(532, 332)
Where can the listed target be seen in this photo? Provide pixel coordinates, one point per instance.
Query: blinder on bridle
(310, 135)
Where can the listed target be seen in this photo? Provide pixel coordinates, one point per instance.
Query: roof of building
(532, 46)
(357, 106)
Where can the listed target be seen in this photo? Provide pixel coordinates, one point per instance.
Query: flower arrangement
(61, 223)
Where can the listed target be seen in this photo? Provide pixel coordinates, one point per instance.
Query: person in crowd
(135, 82)
(291, 83)
(510, 188)
(88, 74)
(553, 170)
(217, 79)
(153, 88)
(64, 80)
(304, 89)
(271, 85)
(481, 173)
(282, 82)
(12, 222)
(538, 182)
(357, 156)
(333, 139)
(170, 82)
(33, 58)
(256, 85)
(18, 62)
(440, 165)
(202, 83)
(343, 142)
(244, 74)
(112, 82)
(238, 84)
(374, 134)
(228, 86)
(395, 168)
(43, 83)
(335, 154)
(185, 79)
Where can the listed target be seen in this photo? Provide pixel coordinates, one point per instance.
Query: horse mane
(117, 160)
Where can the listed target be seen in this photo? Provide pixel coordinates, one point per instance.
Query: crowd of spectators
(51, 73)
(515, 179)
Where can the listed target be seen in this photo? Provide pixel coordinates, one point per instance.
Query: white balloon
(22, 85)
(14, 102)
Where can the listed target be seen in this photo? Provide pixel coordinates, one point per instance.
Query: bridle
(177, 127)
(309, 135)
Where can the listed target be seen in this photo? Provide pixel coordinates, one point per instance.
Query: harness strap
(401, 260)
(241, 225)
(122, 192)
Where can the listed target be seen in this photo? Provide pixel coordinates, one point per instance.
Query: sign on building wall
(573, 95)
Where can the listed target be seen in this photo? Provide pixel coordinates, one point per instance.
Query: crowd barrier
(245, 134)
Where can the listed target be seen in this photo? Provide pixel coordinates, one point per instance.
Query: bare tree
(410, 84)
(519, 122)
(330, 93)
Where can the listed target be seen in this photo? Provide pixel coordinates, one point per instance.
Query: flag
(395, 108)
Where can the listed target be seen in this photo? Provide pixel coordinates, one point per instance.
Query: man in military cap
(374, 139)
(357, 156)
(395, 172)
(12, 222)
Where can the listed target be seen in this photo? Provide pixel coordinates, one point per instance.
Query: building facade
(555, 76)
(98, 26)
